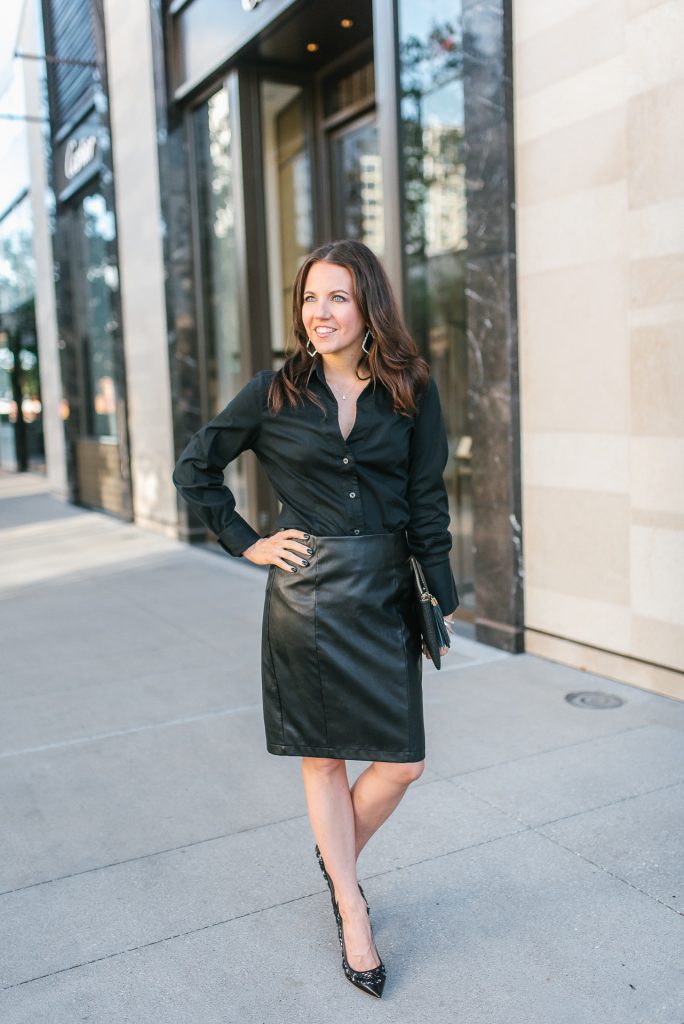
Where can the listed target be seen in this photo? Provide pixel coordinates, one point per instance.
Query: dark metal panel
(196, 250)
(69, 34)
(386, 50)
(206, 35)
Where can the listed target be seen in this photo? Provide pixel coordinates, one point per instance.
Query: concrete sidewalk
(157, 865)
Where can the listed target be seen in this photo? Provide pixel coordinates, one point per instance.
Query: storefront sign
(77, 158)
(78, 154)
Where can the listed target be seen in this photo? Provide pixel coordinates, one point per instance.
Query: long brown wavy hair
(393, 359)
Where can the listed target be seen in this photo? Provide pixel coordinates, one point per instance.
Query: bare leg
(376, 793)
(331, 815)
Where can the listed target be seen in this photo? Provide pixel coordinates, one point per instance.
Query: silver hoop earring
(315, 351)
(363, 343)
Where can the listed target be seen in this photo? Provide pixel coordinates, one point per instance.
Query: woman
(350, 434)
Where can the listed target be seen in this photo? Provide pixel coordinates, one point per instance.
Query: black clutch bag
(432, 626)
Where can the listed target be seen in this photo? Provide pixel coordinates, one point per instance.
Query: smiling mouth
(323, 332)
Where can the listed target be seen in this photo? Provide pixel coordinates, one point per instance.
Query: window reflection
(97, 280)
(213, 143)
(357, 177)
(218, 284)
(21, 434)
(289, 215)
(431, 62)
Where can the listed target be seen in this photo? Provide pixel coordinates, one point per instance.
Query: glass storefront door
(321, 177)
(101, 443)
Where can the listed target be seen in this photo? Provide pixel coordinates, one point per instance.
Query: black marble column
(492, 323)
(185, 356)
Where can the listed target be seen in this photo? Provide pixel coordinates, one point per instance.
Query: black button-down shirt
(386, 476)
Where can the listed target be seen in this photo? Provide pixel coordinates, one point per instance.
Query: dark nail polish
(293, 569)
(309, 551)
(304, 562)
(306, 536)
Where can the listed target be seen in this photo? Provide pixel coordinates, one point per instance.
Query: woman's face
(331, 316)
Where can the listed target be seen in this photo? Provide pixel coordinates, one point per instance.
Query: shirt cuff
(441, 584)
(237, 537)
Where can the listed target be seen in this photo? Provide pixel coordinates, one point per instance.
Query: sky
(14, 169)
(11, 17)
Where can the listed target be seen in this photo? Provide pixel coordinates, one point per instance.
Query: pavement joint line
(611, 874)
(540, 826)
(445, 669)
(258, 910)
(453, 779)
(549, 750)
(448, 669)
(611, 803)
(158, 613)
(209, 714)
(153, 853)
(126, 732)
(173, 849)
(164, 938)
(210, 557)
(535, 828)
(524, 829)
(250, 707)
(565, 817)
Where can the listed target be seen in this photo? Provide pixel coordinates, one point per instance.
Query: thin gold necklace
(336, 392)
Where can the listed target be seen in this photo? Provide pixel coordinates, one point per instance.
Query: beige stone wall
(599, 95)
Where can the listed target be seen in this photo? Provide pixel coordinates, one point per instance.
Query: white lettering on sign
(249, 5)
(78, 154)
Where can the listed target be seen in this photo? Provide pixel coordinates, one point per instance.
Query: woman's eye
(308, 298)
(340, 297)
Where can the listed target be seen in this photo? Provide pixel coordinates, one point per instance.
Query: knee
(322, 765)
(405, 773)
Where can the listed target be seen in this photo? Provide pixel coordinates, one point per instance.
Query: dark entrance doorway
(299, 144)
(319, 152)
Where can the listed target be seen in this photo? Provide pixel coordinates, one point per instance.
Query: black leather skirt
(341, 653)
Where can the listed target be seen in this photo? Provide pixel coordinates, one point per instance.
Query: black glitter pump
(372, 981)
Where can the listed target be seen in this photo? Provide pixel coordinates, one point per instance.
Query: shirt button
(352, 494)
(357, 531)
(345, 461)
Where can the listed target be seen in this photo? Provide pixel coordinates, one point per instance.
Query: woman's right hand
(278, 548)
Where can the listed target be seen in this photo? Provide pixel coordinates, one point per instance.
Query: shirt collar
(318, 370)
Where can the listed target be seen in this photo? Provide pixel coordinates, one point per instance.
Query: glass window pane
(357, 182)
(21, 433)
(218, 287)
(98, 279)
(213, 145)
(432, 126)
(289, 215)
